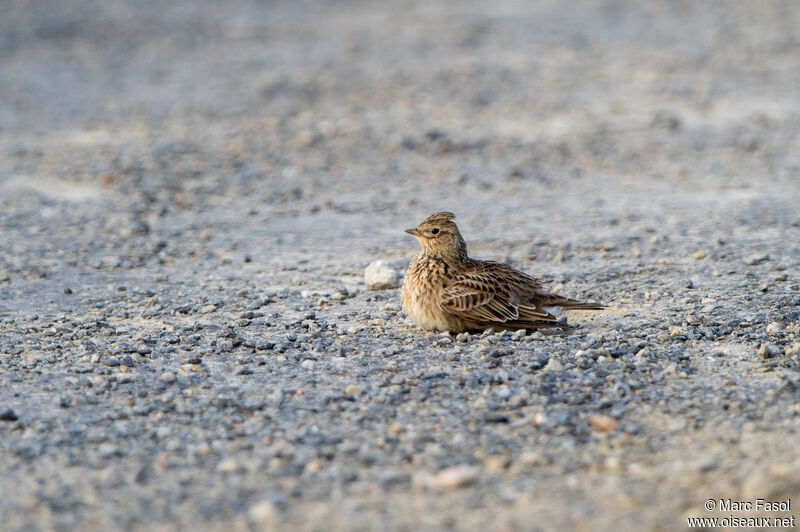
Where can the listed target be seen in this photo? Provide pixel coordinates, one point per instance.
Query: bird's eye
(435, 231)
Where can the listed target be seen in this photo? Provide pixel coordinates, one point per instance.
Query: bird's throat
(453, 254)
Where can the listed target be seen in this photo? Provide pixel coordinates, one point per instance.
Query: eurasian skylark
(446, 290)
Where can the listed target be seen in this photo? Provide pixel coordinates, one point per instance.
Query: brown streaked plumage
(446, 290)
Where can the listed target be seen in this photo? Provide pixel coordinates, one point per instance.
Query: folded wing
(491, 293)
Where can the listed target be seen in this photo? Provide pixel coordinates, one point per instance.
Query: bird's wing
(493, 293)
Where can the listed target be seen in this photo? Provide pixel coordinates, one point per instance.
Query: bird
(446, 290)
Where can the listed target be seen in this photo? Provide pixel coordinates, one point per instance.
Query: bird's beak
(414, 232)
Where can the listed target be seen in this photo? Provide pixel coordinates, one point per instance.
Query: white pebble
(379, 276)
(228, 465)
(774, 328)
(452, 478)
(263, 513)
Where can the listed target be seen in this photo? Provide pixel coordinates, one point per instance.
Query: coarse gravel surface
(189, 195)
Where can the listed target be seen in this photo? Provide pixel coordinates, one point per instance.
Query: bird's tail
(555, 300)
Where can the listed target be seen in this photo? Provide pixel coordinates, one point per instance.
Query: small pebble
(452, 478)
(532, 459)
(263, 514)
(767, 351)
(756, 258)
(603, 423)
(8, 415)
(775, 328)
(228, 465)
(554, 365)
(379, 276)
(677, 332)
(352, 389)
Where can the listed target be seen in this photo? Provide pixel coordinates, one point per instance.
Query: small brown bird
(445, 290)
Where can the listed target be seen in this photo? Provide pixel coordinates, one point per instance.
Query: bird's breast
(421, 294)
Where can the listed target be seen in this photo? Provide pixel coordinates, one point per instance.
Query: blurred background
(389, 107)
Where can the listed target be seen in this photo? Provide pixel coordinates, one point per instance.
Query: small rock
(767, 351)
(168, 377)
(540, 419)
(207, 309)
(452, 478)
(611, 464)
(756, 258)
(379, 276)
(774, 328)
(503, 392)
(8, 415)
(110, 361)
(497, 463)
(677, 332)
(532, 459)
(352, 389)
(263, 514)
(603, 423)
(553, 365)
(308, 365)
(700, 254)
(539, 361)
(314, 466)
(339, 295)
(228, 465)
(519, 399)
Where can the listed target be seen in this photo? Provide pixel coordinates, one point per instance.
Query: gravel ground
(189, 194)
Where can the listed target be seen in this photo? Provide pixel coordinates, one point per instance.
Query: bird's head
(439, 237)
